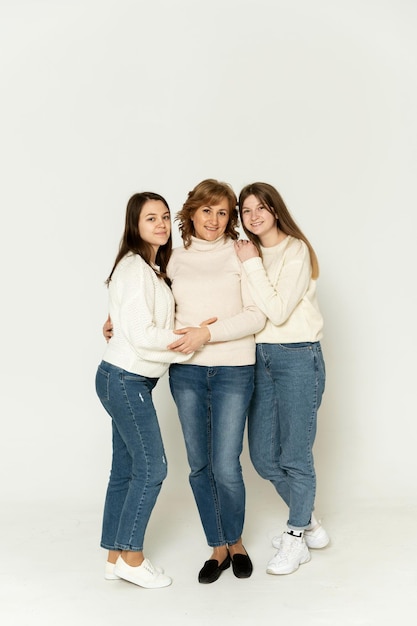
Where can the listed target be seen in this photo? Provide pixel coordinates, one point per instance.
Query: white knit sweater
(208, 281)
(141, 307)
(282, 287)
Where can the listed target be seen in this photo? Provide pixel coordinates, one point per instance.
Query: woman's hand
(246, 250)
(108, 329)
(192, 338)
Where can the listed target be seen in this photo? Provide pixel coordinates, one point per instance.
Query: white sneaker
(110, 575)
(292, 553)
(109, 571)
(315, 538)
(145, 575)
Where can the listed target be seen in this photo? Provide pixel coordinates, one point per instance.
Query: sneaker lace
(147, 565)
(288, 545)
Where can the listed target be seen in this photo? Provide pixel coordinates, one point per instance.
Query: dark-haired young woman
(141, 307)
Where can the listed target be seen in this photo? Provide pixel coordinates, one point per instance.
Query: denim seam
(211, 475)
(139, 507)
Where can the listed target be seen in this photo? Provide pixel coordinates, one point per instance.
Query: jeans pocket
(103, 384)
(301, 345)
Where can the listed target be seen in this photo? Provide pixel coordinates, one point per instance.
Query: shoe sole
(144, 584)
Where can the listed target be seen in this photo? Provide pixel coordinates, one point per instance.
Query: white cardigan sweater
(282, 287)
(141, 307)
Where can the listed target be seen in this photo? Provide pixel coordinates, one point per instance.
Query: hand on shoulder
(245, 250)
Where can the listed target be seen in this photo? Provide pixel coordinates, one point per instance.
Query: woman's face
(155, 223)
(210, 222)
(257, 219)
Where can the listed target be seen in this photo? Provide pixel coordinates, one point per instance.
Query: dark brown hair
(132, 241)
(273, 202)
(208, 192)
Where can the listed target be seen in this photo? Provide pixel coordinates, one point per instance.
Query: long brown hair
(273, 202)
(131, 240)
(206, 193)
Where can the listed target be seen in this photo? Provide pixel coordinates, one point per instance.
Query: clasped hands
(192, 338)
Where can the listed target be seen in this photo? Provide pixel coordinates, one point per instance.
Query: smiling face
(210, 222)
(258, 219)
(154, 224)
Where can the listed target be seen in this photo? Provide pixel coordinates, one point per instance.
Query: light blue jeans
(138, 465)
(282, 421)
(212, 404)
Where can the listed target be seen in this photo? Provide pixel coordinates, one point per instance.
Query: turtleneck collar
(206, 246)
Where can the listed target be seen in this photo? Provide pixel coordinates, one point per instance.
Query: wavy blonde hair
(208, 192)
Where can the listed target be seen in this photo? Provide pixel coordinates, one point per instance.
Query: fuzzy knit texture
(141, 307)
(282, 287)
(208, 281)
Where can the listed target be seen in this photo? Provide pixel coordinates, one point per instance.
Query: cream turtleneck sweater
(208, 281)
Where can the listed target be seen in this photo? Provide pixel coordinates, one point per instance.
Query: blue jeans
(282, 421)
(212, 404)
(138, 465)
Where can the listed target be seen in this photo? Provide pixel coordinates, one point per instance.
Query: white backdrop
(102, 98)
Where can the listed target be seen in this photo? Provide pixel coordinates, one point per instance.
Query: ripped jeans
(138, 465)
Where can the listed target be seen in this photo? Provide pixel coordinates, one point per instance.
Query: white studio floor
(51, 570)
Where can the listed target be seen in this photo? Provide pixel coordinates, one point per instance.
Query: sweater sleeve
(248, 322)
(279, 299)
(139, 311)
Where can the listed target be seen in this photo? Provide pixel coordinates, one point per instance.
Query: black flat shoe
(211, 570)
(242, 565)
